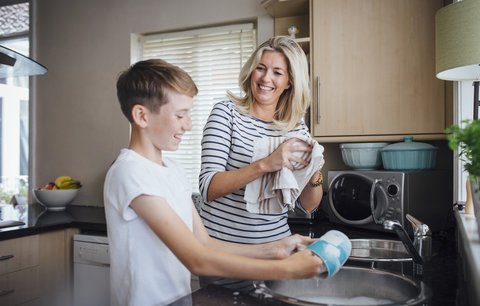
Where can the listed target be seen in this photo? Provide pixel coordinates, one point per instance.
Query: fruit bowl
(55, 199)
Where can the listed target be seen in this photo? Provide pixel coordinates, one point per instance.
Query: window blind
(213, 57)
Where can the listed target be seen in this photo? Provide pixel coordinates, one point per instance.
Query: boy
(156, 235)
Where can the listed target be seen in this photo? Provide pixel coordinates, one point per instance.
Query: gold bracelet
(318, 182)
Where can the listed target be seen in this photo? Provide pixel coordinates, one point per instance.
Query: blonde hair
(294, 101)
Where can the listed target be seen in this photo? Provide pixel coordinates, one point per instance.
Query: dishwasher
(91, 270)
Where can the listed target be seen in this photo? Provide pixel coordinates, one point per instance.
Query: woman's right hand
(287, 154)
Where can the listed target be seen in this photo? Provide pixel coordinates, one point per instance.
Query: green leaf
(466, 139)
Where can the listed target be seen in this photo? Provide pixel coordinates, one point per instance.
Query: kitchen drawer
(19, 287)
(19, 253)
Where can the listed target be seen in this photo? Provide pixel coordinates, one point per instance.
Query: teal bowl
(409, 155)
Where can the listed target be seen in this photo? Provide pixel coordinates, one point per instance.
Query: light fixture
(457, 45)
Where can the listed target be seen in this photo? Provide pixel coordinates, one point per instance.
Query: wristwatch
(318, 182)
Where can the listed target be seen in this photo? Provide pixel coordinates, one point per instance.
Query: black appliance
(302, 217)
(354, 194)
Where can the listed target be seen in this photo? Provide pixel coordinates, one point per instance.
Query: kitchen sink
(350, 286)
(378, 250)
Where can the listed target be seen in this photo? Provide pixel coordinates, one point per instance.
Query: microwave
(364, 198)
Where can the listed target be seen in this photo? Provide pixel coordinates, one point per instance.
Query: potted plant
(466, 138)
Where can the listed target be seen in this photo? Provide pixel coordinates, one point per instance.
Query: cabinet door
(19, 253)
(374, 70)
(19, 286)
(55, 285)
(19, 278)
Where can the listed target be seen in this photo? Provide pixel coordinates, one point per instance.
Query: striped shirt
(227, 144)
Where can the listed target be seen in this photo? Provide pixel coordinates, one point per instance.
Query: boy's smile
(166, 128)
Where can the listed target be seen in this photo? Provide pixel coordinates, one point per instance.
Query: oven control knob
(392, 190)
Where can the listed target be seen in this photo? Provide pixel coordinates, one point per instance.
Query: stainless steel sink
(378, 250)
(350, 286)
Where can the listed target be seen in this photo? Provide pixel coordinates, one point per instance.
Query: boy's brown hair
(147, 83)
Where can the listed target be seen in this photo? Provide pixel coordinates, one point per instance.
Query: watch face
(318, 182)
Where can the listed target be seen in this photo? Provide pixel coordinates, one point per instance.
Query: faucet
(421, 247)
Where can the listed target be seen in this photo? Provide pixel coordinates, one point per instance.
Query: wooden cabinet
(19, 272)
(373, 71)
(291, 12)
(53, 269)
(37, 269)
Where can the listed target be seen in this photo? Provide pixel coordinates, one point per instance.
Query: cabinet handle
(7, 292)
(6, 257)
(318, 100)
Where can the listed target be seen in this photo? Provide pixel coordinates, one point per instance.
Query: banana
(67, 182)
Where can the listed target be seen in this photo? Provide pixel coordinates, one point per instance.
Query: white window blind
(213, 57)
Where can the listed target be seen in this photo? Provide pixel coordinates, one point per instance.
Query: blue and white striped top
(227, 144)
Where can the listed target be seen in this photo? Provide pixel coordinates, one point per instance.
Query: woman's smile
(270, 78)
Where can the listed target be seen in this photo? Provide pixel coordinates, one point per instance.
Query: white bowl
(55, 199)
(362, 156)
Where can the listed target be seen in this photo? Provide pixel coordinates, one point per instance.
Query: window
(14, 104)
(464, 110)
(213, 57)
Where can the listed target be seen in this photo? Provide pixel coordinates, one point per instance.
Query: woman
(276, 96)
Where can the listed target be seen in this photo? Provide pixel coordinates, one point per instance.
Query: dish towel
(276, 192)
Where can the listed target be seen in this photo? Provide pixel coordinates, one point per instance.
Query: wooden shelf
(302, 40)
(281, 25)
(284, 8)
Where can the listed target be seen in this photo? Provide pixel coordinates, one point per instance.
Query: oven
(363, 199)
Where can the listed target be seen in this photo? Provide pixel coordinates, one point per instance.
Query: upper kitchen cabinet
(291, 12)
(373, 71)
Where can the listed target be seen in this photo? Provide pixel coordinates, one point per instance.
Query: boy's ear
(139, 115)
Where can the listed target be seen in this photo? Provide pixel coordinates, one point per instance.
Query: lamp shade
(457, 41)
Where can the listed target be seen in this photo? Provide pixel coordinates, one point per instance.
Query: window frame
(24, 120)
(192, 139)
(463, 109)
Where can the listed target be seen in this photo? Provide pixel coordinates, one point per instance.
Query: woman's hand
(288, 155)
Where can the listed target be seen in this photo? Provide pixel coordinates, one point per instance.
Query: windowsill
(469, 247)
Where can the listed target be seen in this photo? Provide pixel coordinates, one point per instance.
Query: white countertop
(468, 231)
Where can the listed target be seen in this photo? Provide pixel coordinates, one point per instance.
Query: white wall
(77, 128)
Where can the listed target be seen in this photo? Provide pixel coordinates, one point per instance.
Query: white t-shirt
(143, 270)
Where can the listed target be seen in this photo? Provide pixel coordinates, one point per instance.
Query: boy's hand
(304, 264)
(333, 248)
(291, 244)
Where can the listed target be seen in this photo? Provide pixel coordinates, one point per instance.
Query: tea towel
(276, 192)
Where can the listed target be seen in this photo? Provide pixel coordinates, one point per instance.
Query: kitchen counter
(37, 219)
(440, 273)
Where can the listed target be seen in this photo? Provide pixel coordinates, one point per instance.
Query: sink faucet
(421, 247)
